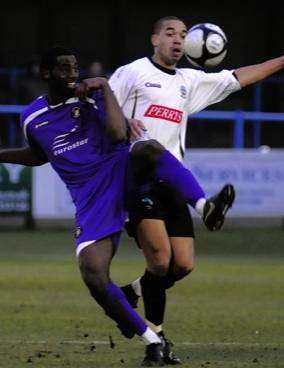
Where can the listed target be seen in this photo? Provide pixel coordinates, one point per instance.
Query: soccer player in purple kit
(81, 131)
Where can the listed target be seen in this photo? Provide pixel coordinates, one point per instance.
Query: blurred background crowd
(106, 35)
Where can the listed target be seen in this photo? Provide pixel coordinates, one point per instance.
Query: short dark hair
(49, 58)
(158, 25)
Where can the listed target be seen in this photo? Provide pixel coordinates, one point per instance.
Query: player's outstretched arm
(255, 73)
(22, 156)
(115, 120)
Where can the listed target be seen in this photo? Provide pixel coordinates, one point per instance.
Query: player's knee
(144, 157)
(159, 264)
(146, 152)
(159, 261)
(98, 288)
(95, 279)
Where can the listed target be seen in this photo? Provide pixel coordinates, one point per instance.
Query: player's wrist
(104, 84)
(95, 83)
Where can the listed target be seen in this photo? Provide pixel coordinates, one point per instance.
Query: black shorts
(161, 203)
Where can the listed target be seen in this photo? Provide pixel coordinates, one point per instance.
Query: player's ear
(45, 74)
(154, 40)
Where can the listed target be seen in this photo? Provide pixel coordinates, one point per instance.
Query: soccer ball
(205, 45)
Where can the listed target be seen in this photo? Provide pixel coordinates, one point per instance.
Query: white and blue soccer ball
(205, 45)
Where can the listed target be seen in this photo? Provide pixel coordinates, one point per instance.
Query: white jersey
(162, 99)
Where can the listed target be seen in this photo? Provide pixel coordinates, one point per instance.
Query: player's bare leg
(182, 256)
(154, 241)
(94, 262)
(182, 263)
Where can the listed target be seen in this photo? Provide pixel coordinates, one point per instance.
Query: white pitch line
(228, 343)
(43, 342)
(105, 342)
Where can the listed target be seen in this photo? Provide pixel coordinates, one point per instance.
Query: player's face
(64, 75)
(169, 43)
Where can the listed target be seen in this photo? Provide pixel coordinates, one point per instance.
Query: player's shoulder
(37, 106)
(201, 75)
(190, 72)
(133, 67)
(139, 63)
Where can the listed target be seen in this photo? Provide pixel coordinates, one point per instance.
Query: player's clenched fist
(90, 84)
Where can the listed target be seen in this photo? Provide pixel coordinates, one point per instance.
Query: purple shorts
(100, 203)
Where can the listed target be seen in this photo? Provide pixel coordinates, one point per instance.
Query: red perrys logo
(165, 113)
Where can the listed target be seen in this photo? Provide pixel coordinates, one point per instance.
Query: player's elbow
(117, 134)
(36, 162)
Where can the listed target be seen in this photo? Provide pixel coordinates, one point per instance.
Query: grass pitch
(228, 314)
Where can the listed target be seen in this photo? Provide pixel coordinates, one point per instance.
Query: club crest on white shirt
(183, 92)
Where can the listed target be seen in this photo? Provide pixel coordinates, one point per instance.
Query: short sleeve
(122, 82)
(209, 88)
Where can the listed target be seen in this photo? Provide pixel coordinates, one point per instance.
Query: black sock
(154, 296)
(169, 280)
(129, 291)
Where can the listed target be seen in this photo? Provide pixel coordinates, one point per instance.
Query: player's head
(168, 40)
(59, 68)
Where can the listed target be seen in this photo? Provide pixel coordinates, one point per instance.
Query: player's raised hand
(137, 129)
(88, 85)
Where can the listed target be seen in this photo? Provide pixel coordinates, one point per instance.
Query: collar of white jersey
(162, 68)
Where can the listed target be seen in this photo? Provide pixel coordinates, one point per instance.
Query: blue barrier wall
(238, 117)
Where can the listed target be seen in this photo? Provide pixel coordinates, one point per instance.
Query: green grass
(228, 314)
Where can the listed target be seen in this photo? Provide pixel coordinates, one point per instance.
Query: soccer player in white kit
(162, 96)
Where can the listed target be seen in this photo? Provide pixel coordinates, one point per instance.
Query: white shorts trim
(83, 245)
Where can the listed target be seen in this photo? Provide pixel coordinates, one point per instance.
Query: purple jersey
(71, 135)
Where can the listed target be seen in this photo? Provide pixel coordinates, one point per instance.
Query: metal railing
(238, 117)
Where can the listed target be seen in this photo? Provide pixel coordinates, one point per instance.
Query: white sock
(155, 328)
(137, 287)
(199, 206)
(150, 337)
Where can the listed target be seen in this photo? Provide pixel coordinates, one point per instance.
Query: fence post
(257, 107)
(239, 129)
